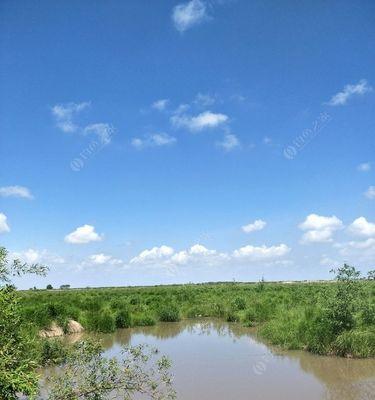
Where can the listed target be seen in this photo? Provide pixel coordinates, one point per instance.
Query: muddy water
(214, 360)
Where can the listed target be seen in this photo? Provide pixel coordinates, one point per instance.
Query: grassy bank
(296, 316)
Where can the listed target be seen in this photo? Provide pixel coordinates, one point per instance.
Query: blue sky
(158, 142)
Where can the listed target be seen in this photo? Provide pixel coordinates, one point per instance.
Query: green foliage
(52, 351)
(102, 321)
(87, 374)
(300, 315)
(144, 320)
(169, 313)
(17, 364)
(239, 303)
(123, 319)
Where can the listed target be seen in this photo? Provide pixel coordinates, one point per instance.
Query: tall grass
(311, 316)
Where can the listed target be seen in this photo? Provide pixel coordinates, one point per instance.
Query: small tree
(17, 366)
(371, 275)
(342, 304)
(49, 287)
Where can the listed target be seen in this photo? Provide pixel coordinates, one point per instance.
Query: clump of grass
(239, 303)
(169, 313)
(103, 321)
(356, 343)
(144, 320)
(52, 351)
(123, 319)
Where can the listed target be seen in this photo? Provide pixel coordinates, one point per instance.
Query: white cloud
(370, 193)
(255, 253)
(319, 228)
(33, 256)
(15, 191)
(341, 98)
(100, 259)
(83, 234)
(154, 140)
(65, 113)
(102, 130)
(199, 255)
(150, 256)
(204, 100)
(186, 15)
(358, 251)
(230, 142)
(257, 225)
(160, 105)
(204, 120)
(4, 227)
(362, 227)
(364, 167)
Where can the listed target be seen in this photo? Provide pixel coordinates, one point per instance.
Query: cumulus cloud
(230, 142)
(187, 15)
(33, 256)
(4, 227)
(83, 234)
(65, 113)
(362, 251)
(319, 228)
(257, 253)
(100, 259)
(204, 120)
(370, 193)
(364, 167)
(341, 98)
(257, 225)
(150, 256)
(362, 227)
(154, 140)
(160, 105)
(16, 191)
(199, 255)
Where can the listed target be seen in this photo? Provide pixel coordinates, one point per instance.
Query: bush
(355, 343)
(232, 317)
(169, 314)
(52, 351)
(101, 322)
(123, 319)
(144, 320)
(239, 303)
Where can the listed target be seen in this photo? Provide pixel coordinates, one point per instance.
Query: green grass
(294, 316)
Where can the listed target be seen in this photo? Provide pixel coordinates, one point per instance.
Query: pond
(215, 360)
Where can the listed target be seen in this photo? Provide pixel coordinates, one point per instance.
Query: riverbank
(298, 316)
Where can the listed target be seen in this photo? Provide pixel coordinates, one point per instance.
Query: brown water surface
(215, 360)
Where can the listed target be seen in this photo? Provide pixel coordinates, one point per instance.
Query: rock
(53, 331)
(74, 327)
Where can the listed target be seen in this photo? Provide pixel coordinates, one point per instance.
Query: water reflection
(213, 359)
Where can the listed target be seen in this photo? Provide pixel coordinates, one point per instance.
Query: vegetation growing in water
(335, 317)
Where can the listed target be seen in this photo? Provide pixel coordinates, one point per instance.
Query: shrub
(52, 351)
(239, 303)
(123, 319)
(144, 320)
(169, 314)
(232, 317)
(355, 343)
(101, 322)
